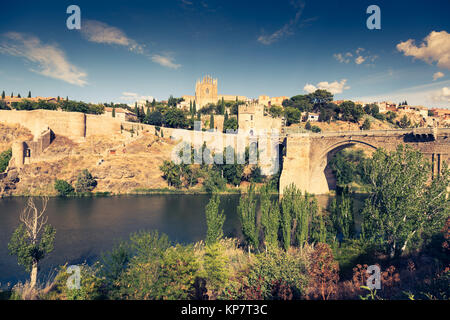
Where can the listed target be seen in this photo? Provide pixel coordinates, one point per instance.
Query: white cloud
(341, 58)
(332, 87)
(433, 94)
(442, 95)
(438, 75)
(360, 59)
(287, 29)
(132, 96)
(48, 59)
(99, 32)
(165, 61)
(436, 47)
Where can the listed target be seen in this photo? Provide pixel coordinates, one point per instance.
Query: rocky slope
(119, 163)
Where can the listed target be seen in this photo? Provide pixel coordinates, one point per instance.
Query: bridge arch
(321, 172)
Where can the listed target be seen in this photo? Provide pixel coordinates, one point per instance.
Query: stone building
(121, 114)
(251, 118)
(206, 92)
(271, 101)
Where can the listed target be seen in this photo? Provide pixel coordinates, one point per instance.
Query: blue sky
(127, 50)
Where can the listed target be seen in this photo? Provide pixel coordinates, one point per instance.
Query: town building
(121, 114)
(251, 118)
(271, 101)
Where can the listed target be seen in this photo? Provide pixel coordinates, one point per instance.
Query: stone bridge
(307, 154)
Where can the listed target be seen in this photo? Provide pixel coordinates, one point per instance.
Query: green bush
(63, 188)
(5, 156)
(276, 264)
(85, 182)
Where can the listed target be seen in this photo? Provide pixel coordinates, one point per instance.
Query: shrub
(5, 156)
(63, 188)
(85, 182)
(275, 267)
(216, 268)
(316, 129)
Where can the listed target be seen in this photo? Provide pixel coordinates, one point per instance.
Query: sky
(130, 50)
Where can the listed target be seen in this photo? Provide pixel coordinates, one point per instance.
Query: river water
(86, 227)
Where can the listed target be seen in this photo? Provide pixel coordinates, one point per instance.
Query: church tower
(206, 91)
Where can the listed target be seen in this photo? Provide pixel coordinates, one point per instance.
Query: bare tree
(33, 239)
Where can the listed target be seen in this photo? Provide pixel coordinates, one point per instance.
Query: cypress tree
(226, 116)
(18, 96)
(29, 94)
(12, 95)
(114, 112)
(190, 107)
(3, 94)
(211, 121)
(214, 220)
(194, 108)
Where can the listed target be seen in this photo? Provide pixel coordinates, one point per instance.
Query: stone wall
(75, 125)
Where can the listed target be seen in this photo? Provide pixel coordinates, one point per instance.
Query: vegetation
(85, 182)
(33, 239)
(289, 248)
(403, 208)
(214, 221)
(63, 188)
(5, 156)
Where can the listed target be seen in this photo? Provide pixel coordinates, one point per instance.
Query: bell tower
(206, 91)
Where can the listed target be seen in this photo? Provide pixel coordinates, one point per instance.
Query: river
(86, 227)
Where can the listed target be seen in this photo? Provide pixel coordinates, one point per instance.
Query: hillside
(134, 163)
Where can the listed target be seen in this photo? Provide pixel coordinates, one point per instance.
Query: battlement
(252, 107)
(206, 80)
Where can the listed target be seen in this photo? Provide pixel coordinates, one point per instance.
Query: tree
(29, 94)
(341, 210)
(5, 157)
(211, 121)
(113, 113)
(63, 188)
(404, 122)
(324, 272)
(247, 217)
(171, 172)
(85, 182)
(270, 217)
(308, 125)
(3, 95)
(366, 124)
(403, 207)
(194, 108)
(230, 124)
(155, 118)
(33, 239)
(175, 118)
(18, 96)
(214, 220)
